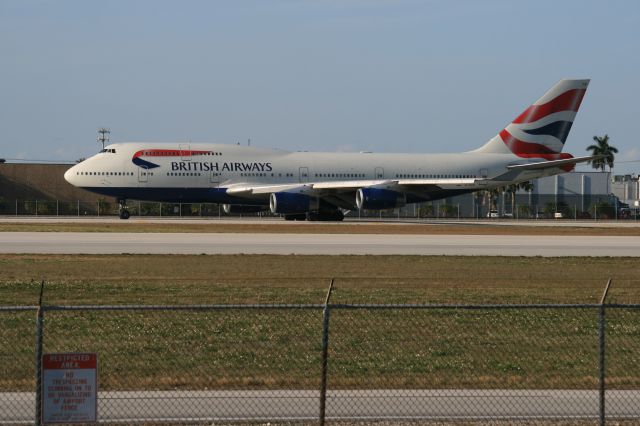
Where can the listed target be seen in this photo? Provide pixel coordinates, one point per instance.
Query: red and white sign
(69, 388)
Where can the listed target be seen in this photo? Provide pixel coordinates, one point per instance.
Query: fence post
(39, 335)
(601, 357)
(78, 205)
(325, 353)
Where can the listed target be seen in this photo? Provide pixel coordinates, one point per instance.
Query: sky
(335, 75)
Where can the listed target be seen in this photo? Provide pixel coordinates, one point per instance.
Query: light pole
(103, 135)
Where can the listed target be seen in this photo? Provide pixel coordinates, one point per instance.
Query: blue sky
(384, 76)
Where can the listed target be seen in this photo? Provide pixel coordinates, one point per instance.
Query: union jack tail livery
(541, 130)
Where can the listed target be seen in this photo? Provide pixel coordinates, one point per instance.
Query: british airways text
(224, 167)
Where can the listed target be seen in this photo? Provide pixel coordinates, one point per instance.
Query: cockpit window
(109, 150)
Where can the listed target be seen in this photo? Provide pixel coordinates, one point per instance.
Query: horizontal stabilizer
(553, 163)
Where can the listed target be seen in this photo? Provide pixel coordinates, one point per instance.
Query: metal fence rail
(329, 362)
(522, 207)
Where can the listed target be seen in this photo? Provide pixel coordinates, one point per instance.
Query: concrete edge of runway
(316, 244)
(350, 221)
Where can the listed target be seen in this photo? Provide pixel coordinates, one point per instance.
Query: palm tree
(604, 151)
(513, 188)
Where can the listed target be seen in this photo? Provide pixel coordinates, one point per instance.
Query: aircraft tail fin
(541, 130)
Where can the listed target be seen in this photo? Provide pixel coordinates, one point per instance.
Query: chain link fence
(106, 207)
(17, 364)
(335, 362)
(460, 207)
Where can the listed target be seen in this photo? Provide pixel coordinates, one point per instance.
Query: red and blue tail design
(541, 130)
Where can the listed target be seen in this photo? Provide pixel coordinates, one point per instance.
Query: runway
(315, 244)
(290, 405)
(368, 222)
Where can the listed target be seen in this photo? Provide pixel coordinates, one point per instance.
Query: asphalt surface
(452, 404)
(93, 220)
(316, 244)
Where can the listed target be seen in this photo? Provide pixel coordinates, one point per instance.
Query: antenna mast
(103, 135)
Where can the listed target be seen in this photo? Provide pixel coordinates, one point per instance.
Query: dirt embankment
(40, 181)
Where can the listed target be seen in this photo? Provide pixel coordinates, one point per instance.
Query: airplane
(325, 185)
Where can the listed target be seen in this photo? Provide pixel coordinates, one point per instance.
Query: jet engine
(291, 203)
(379, 199)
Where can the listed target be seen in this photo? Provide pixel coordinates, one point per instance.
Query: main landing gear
(123, 209)
(335, 215)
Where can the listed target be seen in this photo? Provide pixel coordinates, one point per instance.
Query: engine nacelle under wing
(292, 203)
(379, 199)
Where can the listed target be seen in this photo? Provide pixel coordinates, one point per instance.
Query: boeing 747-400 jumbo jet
(322, 186)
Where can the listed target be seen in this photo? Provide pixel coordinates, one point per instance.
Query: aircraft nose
(69, 175)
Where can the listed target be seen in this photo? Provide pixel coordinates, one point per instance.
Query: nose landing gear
(123, 209)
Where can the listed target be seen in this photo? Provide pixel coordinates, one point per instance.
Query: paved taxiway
(135, 406)
(316, 244)
(368, 222)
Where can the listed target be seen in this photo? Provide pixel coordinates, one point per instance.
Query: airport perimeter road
(316, 244)
(149, 406)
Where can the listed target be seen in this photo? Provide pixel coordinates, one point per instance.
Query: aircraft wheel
(326, 216)
(124, 214)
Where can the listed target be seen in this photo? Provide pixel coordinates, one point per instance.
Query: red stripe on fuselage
(568, 101)
(167, 153)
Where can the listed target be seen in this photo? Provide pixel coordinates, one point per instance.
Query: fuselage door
(143, 175)
(214, 178)
(184, 151)
(378, 173)
(304, 174)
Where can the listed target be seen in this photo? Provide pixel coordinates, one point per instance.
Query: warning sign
(69, 388)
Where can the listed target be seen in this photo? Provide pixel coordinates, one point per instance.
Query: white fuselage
(225, 165)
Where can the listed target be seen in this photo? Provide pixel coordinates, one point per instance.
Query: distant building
(579, 190)
(627, 189)
(574, 194)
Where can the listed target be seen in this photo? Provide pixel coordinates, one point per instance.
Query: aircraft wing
(553, 163)
(452, 183)
(411, 185)
(323, 189)
(260, 189)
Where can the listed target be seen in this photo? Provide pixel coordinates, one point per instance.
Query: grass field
(161, 279)
(265, 348)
